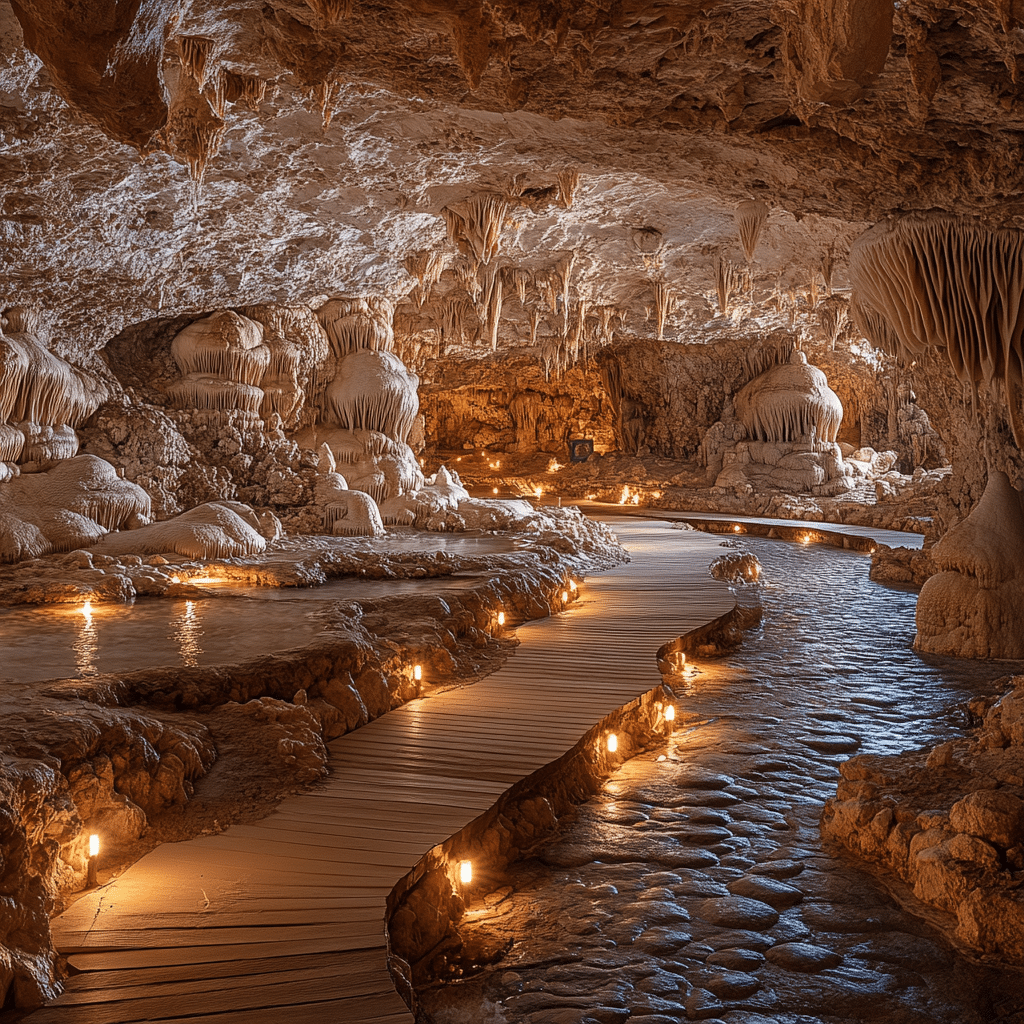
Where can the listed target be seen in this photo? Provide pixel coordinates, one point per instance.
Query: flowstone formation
(788, 418)
(973, 607)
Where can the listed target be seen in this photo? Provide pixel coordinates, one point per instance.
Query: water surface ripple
(695, 885)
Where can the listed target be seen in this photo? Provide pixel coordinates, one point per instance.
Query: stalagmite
(70, 506)
(214, 530)
(789, 402)
(974, 606)
(222, 345)
(936, 283)
(750, 217)
(373, 391)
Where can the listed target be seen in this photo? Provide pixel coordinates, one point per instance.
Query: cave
(511, 512)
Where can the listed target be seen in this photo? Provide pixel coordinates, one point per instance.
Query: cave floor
(285, 917)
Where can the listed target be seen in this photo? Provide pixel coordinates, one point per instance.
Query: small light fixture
(613, 743)
(736, 528)
(805, 539)
(87, 608)
(465, 871)
(495, 490)
(501, 618)
(417, 672)
(565, 596)
(539, 492)
(670, 713)
(94, 853)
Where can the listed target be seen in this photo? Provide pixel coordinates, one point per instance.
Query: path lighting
(670, 713)
(94, 853)
(501, 618)
(417, 672)
(613, 743)
(465, 871)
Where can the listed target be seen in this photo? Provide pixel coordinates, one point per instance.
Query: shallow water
(239, 623)
(697, 886)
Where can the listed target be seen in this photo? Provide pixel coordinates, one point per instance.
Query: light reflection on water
(835, 653)
(86, 645)
(186, 629)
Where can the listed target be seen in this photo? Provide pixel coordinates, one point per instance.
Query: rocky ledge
(949, 823)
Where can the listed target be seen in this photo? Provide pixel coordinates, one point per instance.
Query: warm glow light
(554, 466)
(572, 586)
(872, 551)
(175, 579)
(495, 490)
(565, 596)
(636, 499)
(417, 672)
(736, 528)
(501, 618)
(465, 871)
(94, 845)
(87, 608)
(805, 539)
(655, 494)
(613, 743)
(539, 491)
(670, 713)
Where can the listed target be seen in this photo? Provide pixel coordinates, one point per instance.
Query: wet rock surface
(769, 923)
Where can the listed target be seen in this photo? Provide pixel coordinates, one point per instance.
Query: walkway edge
(425, 906)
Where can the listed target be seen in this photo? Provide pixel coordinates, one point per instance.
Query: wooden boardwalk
(284, 920)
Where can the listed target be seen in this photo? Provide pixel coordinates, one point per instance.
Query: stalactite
(563, 275)
(467, 274)
(194, 52)
(776, 351)
(475, 225)
(568, 182)
(453, 320)
(535, 318)
(664, 298)
(517, 278)
(834, 318)
(323, 95)
(728, 281)
(426, 267)
(750, 217)
(330, 12)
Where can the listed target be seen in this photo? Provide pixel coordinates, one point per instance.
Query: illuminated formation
(974, 606)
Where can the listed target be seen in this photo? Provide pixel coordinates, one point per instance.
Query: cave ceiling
(333, 134)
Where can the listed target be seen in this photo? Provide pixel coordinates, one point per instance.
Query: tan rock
(992, 815)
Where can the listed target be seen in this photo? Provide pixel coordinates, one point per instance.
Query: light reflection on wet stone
(698, 888)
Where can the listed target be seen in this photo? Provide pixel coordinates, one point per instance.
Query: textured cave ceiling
(833, 112)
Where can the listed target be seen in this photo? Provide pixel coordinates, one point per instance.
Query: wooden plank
(252, 926)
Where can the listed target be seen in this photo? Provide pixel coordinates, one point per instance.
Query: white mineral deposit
(339, 342)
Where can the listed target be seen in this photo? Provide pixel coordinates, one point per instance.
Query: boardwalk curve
(284, 919)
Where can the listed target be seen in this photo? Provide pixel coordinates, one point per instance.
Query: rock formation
(973, 607)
